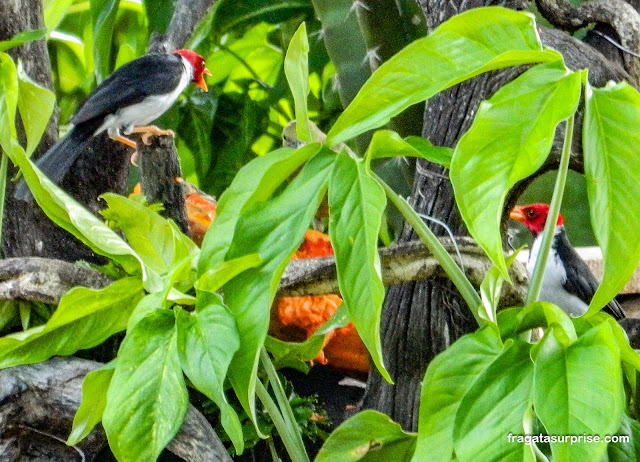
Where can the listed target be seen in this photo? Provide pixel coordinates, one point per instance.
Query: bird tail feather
(57, 161)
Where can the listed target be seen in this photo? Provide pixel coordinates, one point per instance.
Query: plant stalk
(288, 425)
(549, 228)
(457, 276)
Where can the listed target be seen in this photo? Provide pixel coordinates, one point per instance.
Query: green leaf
(447, 380)
(515, 321)
(152, 237)
(356, 205)
(610, 136)
(54, 12)
(8, 101)
(94, 400)
(64, 211)
(214, 278)
(626, 451)
(147, 398)
(36, 105)
(569, 404)
(509, 140)
(231, 14)
(159, 14)
(207, 340)
(494, 407)
(255, 182)
(367, 436)
(84, 318)
(490, 290)
(103, 18)
(296, 68)
(469, 44)
(274, 229)
(21, 38)
(387, 143)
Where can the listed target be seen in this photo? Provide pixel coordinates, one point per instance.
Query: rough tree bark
(420, 319)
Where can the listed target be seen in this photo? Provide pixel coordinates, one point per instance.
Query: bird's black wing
(152, 74)
(580, 280)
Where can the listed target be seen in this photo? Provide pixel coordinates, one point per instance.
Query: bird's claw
(135, 157)
(147, 135)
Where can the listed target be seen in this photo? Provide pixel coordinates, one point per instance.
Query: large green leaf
(509, 140)
(64, 211)
(471, 43)
(368, 436)
(611, 133)
(8, 101)
(94, 400)
(255, 182)
(147, 398)
(151, 236)
(356, 204)
(84, 318)
(35, 104)
(578, 390)
(214, 278)
(273, 229)
(103, 17)
(207, 340)
(495, 407)
(448, 378)
(296, 68)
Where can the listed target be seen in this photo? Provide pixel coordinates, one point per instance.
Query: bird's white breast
(148, 110)
(552, 290)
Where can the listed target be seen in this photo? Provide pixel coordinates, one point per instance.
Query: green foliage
(495, 154)
(21, 38)
(356, 204)
(296, 67)
(459, 49)
(274, 230)
(487, 385)
(147, 398)
(610, 138)
(94, 401)
(84, 318)
(207, 340)
(369, 436)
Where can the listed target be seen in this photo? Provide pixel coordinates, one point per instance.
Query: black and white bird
(567, 281)
(135, 95)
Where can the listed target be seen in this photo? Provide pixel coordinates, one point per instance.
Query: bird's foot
(152, 130)
(124, 140)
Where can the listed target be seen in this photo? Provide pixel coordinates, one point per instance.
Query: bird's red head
(199, 67)
(533, 216)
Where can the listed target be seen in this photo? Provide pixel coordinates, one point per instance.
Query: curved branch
(621, 16)
(187, 15)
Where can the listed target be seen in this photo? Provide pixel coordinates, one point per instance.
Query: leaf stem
(429, 239)
(4, 163)
(549, 228)
(285, 420)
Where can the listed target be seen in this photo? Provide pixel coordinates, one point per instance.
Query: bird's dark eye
(531, 213)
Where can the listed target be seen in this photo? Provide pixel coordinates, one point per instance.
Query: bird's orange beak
(517, 214)
(201, 83)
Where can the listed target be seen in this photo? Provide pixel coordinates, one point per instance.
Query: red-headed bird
(568, 281)
(135, 95)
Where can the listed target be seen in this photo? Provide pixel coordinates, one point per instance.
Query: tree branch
(187, 15)
(620, 15)
(37, 406)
